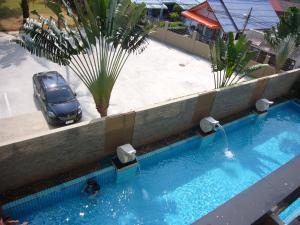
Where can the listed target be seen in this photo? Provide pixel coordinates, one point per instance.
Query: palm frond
(283, 51)
(106, 32)
(230, 60)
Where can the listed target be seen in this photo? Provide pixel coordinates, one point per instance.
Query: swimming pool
(177, 184)
(290, 213)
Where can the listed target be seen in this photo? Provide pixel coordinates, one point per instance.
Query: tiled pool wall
(108, 175)
(103, 177)
(58, 193)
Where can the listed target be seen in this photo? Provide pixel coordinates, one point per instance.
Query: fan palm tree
(230, 60)
(106, 32)
(283, 50)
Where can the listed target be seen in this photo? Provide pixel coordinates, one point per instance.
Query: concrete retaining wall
(279, 85)
(161, 121)
(262, 72)
(53, 152)
(191, 45)
(185, 43)
(25, 161)
(233, 99)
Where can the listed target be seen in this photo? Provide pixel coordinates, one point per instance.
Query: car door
(38, 92)
(36, 86)
(43, 99)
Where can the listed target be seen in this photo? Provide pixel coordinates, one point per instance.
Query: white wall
(206, 13)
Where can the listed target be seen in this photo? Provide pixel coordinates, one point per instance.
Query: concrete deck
(158, 74)
(22, 125)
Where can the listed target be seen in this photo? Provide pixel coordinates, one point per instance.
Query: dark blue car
(56, 98)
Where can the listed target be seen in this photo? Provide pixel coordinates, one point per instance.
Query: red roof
(212, 24)
(276, 5)
(200, 6)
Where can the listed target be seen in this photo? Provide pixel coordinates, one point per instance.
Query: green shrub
(171, 24)
(176, 24)
(174, 16)
(176, 8)
(162, 23)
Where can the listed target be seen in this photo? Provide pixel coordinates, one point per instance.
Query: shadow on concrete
(11, 54)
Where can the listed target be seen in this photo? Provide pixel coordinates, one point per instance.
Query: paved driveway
(158, 74)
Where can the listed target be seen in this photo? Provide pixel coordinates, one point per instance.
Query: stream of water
(227, 152)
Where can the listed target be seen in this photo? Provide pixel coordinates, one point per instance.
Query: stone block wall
(163, 120)
(26, 161)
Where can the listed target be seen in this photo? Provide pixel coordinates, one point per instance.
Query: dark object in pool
(91, 187)
(7, 220)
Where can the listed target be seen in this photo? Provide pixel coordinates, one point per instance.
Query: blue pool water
(290, 213)
(180, 183)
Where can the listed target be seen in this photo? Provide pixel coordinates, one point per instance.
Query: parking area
(158, 74)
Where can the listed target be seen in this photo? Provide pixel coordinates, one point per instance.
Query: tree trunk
(25, 10)
(59, 23)
(102, 110)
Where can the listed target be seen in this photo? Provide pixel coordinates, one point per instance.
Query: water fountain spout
(262, 105)
(208, 124)
(125, 163)
(227, 152)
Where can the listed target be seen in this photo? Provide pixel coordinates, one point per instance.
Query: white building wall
(206, 13)
(189, 22)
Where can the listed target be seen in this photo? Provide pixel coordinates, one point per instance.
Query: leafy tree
(230, 60)
(289, 24)
(176, 8)
(25, 9)
(174, 16)
(283, 50)
(106, 32)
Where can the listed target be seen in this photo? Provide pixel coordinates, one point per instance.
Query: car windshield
(60, 95)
